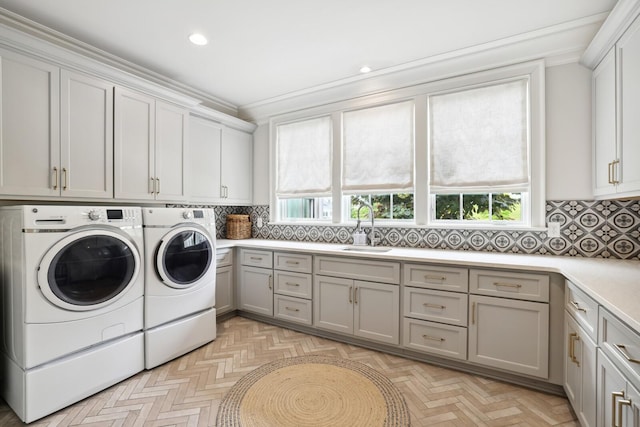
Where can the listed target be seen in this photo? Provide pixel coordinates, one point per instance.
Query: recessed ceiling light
(365, 69)
(198, 39)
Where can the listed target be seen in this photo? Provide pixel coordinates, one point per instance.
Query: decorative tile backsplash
(595, 229)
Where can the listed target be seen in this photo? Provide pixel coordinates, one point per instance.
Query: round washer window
(187, 257)
(91, 270)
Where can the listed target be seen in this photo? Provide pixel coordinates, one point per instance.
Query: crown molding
(558, 44)
(619, 19)
(28, 37)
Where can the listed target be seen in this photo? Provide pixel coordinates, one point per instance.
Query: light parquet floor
(188, 390)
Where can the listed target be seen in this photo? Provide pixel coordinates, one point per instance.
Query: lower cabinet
(256, 290)
(224, 281)
(617, 399)
(509, 334)
(363, 309)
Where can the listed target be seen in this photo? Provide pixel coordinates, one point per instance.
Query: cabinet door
(224, 289)
(86, 128)
(604, 124)
(572, 369)
(256, 290)
(203, 162)
(30, 137)
(628, 58)
(612, 387)
(134, 139)
(333, 304)
(509, 334)
(171, 151)
(237, 167)
(377, 311)
(580, 365)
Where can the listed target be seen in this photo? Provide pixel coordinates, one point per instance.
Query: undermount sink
(367, 249)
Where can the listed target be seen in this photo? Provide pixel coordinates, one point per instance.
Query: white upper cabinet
(220, 164)
(237, 167)
(203, 163)
(86, 143)
(616, 129)
(56, 131)
(149, 148)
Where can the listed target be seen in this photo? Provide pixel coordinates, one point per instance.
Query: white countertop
(614, 284)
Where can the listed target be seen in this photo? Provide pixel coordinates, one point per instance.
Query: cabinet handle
(441, 307)
(573, 337)
(614, 397)
(614, 175)
(292, 262)
(507, 285)
(620, 403)
(623, 350)
(440, 278)
(350, 297)
(152, 185)
(64, 174)
(609, 167)
(292, 309)
(158, 189)
(355, 295)
(473, 313)
(55, 178)
(429, 337)
(577, 306)
(256, 258)
(292, 284)
(270, 281)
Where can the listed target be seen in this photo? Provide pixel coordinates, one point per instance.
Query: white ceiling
(265, 49)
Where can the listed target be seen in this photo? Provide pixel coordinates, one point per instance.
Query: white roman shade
(478, 139)
(378, 149)
(304, 158)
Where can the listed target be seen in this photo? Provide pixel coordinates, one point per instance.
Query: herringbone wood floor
(188, 390)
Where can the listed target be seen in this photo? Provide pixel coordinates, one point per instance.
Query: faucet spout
(362, 203)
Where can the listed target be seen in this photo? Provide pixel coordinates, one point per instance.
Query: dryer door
(185, 257)
(89, 269)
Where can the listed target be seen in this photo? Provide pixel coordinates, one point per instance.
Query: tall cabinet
(58, 124)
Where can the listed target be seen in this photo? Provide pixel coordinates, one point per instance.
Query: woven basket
(238, 226)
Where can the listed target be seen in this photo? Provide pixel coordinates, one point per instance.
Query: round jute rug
(313, 391)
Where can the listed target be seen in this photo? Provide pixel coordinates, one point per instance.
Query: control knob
(187, 215)
(94, 215)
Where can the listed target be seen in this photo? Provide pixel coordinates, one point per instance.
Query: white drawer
(620, 343)
(582, 308)
(256, 258)
(434, 277)
(359, 269)
(436, 338)
(438, 306)
(292, 262)
(224, 257)
(508, 284)
(292, 309)
(293, 284)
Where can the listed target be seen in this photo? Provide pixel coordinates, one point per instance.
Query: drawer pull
(614, 397)
(428, 305)
(507, 285)
(622, 349)
(256, 258)
(620, 403)
(292, 284)
(292, 262)
(292, 309)
(430, 277)
(429, 337)
(577, 306)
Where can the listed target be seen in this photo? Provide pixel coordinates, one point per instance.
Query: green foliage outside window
(504, 207)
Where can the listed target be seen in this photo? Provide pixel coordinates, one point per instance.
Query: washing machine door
(89, 269)
(184, 257)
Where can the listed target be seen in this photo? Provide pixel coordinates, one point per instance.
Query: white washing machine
(180, 287)
(72, 285)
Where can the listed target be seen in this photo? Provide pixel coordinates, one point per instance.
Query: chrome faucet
(362, 203)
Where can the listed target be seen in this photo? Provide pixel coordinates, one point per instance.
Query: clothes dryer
(180, 287)
(72, 284)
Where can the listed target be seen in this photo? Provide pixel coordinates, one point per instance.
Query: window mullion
(421, 199)
(336, 169)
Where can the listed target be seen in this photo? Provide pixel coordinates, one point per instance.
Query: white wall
(568, 146)
(568, 138)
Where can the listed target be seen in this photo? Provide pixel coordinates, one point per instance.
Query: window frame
(534, 70)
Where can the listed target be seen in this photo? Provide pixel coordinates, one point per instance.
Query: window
(479, 146)
(303, 164)
(394, 206)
